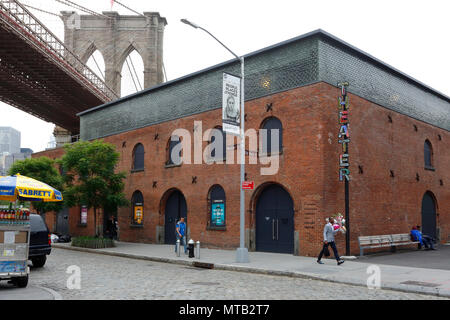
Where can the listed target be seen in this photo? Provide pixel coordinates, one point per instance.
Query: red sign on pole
(248, 185)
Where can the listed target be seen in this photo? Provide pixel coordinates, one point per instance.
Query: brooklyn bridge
(49, 78)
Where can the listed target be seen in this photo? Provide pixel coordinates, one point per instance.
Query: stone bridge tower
(116, 38)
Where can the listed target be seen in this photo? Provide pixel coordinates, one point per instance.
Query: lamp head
(189, 23)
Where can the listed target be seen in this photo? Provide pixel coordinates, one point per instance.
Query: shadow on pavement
(437, 259)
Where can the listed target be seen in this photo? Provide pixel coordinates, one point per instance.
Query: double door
(62, 222)
(275, 221)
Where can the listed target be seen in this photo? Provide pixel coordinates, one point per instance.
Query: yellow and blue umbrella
(23, 188)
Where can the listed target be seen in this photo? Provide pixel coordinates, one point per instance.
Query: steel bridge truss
(39, 75)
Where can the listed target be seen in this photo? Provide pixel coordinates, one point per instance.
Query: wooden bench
(387, 240)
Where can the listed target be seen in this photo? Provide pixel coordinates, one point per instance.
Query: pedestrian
(111, 228)
(328, 240)
(180, 232)
(114, 227)
(116, 223)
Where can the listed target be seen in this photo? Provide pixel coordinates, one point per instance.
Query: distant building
(9, 140)
(10, 150)
(26, 151)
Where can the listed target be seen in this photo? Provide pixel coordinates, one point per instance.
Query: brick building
(399, 154)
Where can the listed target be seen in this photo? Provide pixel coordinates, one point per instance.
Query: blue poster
(218, 213)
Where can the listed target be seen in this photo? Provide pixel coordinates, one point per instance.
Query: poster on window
(218, 213)
(84, 212)
(138, 214)
(231, 104)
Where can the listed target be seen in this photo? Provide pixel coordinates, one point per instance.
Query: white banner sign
(231, 104)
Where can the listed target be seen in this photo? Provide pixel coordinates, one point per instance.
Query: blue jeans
(182, 241)
(428, 242)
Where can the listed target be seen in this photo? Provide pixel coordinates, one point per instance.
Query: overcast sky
(412, 36)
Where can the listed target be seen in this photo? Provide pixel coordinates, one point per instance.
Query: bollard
(198, 250)
(178, 248)
(191, 248)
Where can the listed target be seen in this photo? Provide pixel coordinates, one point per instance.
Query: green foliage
(90, 176)
(44, 170)
(92, 242)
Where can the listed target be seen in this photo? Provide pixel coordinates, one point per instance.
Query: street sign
(248, 185)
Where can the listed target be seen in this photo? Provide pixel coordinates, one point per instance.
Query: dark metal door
(266, 232)
(175, 209)
(62, 222)
(275, 221)
(428, 215)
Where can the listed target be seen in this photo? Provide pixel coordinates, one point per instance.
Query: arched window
(216, 207)
(428, 154)
(173, 159)
(137, 202)
(272, 128)
(220, 154)
(138, 157)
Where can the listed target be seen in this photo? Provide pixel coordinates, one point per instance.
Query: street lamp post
(242, 251)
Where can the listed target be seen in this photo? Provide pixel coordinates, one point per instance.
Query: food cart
(14, 246)
(15, 225)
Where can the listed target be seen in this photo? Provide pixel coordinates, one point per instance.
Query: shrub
(93, 242)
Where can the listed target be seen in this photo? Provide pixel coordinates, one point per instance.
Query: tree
(44, 170)
(90, 176)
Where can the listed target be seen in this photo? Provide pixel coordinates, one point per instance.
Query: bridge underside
(37, 85)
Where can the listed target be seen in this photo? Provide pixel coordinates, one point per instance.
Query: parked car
(40, 241)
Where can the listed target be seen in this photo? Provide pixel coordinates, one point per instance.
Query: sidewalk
(400, 278)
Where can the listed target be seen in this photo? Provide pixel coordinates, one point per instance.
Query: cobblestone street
(107, 277)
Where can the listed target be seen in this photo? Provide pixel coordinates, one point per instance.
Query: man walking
(180, 232)
(328, 239)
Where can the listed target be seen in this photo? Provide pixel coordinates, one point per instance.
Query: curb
(225, 267)
(56, 295)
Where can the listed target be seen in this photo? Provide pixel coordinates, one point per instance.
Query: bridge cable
(81, 8)
(84, 9)
(165, 73)
(137, 78)
(101, 72)
(121, 4)
(126, 60)
(37, 9)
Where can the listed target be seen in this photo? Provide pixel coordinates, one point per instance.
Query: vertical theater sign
(344, 165)
(344, 133)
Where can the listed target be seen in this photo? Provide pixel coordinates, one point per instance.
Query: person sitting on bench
(416, 235)
(427, 240)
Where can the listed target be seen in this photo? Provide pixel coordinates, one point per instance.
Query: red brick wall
(75, 228)
(308, 170)
(379, 203)
(50, 217)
